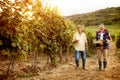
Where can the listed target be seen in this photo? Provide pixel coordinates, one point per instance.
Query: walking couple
(81, 46)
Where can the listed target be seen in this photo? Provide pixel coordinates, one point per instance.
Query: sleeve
(96, 37)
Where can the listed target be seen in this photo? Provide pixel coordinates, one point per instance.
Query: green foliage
(29, 25)
(91, 46)
(117, 40)
(113, 29)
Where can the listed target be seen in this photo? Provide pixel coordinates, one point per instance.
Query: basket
(97, 41)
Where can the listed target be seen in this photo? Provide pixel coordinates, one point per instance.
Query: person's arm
(86, 46)
(110, 38)
(74, 39)
(86, 43)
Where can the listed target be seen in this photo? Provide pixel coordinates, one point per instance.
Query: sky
(70, 7)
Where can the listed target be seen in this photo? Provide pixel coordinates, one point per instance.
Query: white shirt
(101, 36)
(82, 39)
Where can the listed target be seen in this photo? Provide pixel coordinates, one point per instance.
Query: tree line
(108, 16)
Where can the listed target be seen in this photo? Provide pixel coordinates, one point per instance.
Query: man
(102, 48)
(81, 45)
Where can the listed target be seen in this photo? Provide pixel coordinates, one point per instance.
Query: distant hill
(107, 16)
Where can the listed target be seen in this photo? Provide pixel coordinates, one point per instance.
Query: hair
(80, 26)
(101, 24)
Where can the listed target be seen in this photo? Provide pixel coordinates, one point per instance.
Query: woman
(102, 49)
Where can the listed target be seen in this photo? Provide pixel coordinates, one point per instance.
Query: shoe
(84, 68)
(105, 65)
(100, 65)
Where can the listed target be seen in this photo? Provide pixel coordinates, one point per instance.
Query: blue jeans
(77, 55)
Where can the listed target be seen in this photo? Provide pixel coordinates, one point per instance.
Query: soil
(67, 71)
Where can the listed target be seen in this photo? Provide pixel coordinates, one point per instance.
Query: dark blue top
(105, 37)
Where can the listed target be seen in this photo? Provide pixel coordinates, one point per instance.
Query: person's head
(80, 28)
(101, 26)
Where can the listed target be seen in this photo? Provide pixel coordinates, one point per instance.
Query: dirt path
(68, 71)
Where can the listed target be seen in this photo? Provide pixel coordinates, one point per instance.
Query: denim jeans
(78, 53)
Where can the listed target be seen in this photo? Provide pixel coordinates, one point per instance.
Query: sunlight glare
(69, 7)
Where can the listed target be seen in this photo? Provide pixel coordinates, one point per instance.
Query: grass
(113, 29)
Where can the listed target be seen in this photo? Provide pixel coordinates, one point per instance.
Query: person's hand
(108, 41)
(86, 49)
(75, 41)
